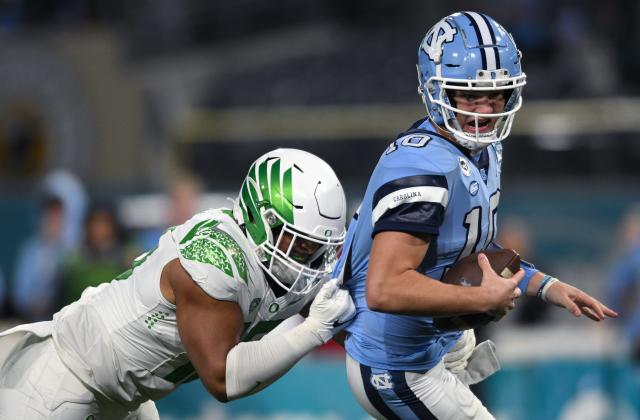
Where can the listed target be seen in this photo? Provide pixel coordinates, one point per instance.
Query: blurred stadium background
(142, 112)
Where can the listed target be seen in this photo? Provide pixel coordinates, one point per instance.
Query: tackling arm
(394, 285)
(210, 330)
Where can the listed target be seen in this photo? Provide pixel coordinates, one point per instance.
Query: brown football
(467, 272)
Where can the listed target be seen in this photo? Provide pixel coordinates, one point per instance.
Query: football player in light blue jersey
(433, 199)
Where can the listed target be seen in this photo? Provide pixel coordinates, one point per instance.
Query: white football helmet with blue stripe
(469, 51)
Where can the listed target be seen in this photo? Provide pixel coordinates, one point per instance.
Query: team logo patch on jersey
(464, 167)
(274, 307)
(473, 188)
(381, 381)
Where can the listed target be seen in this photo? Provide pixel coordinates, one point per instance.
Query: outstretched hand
(578, 302)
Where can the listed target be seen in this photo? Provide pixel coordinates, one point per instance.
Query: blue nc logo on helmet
(469, 51)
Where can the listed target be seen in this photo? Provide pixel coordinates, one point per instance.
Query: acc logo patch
(473, 188)
(464, 167)
(381, 381)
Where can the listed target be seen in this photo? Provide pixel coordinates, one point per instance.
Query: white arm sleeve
(284, 326)
(254, 365)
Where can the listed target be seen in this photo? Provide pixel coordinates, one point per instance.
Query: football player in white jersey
(433, 199)
(206, 303)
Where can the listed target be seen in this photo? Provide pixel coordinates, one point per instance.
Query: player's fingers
(329, 289)
(518, 276)
(585, 301)
(590, 313)
(511, 305)
(341, 294)
(484, 264)
(602, 310)
(571, 306)
(609, 312)
(594, 306)
(516, 293)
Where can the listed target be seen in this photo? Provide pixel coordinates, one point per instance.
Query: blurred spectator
(514, 233)
(584, 63)
(184, 198)
(100, 258)
(35, 289)
(624, 282)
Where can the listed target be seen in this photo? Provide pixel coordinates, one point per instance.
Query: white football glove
(471, 363)
(457, 358)
(331, 310)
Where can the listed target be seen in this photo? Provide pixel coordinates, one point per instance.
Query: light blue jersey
(422, 184)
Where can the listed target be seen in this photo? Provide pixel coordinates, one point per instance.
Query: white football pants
(35, 384)
(395, 394)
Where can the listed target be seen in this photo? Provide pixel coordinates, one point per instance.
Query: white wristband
(545, 288)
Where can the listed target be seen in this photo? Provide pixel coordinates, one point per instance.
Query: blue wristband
(529, 271)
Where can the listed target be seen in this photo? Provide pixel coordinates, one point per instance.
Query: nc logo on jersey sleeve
(442, 32)
(381, 381)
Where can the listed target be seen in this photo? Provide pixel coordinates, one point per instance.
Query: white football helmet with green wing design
(293, 210)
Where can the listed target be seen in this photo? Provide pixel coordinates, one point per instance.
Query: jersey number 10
(473, 225)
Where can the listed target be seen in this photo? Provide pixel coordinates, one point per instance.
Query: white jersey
(121, 339)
